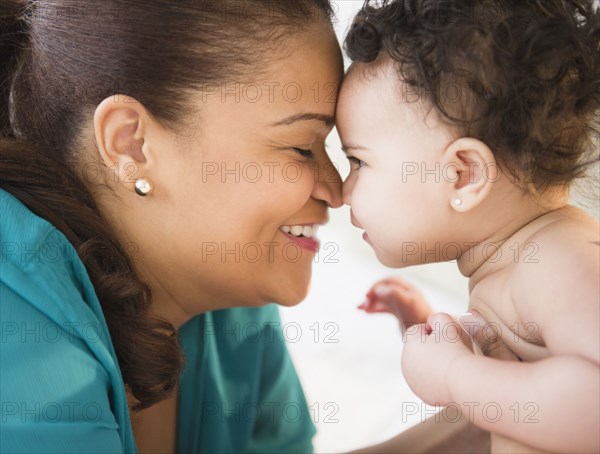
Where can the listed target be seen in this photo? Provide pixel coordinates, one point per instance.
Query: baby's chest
(492, 299)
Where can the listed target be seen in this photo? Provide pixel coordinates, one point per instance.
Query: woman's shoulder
(19, 223)
(42, 267)
(58, 363)
(38, 259)
(29, 241)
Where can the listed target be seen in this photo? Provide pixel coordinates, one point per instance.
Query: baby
(466, 123)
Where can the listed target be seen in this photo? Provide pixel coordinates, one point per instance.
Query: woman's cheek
(301, 180)
(282, 191)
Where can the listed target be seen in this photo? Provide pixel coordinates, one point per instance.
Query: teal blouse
(61, 386)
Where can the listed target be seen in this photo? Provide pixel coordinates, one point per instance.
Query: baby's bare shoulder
(560, 287)
(566, 240)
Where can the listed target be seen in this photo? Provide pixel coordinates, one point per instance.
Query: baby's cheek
(372, 206)
(365, 200)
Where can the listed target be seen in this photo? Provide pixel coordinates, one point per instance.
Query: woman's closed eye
(306, 153)
(356, 162)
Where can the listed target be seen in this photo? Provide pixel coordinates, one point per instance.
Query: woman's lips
(310, 244)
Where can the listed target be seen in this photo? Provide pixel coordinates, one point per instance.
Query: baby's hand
(398, 297)
(430, 350)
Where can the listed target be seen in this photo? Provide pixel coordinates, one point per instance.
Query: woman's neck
(131, 233)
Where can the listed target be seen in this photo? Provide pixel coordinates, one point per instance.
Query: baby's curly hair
(521, 75)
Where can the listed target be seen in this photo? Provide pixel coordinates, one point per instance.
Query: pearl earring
(457, 202)
(143, 187)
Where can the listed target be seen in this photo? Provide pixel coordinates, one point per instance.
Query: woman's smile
(304, 235)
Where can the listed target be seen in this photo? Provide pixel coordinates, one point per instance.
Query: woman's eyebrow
(327, 119)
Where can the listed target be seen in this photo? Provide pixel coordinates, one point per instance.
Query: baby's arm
(550, 404)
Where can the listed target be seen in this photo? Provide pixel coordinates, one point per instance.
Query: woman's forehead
(303, 84)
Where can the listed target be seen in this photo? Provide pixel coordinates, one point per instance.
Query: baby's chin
(391, 259)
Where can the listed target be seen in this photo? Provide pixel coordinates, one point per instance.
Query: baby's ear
(474, 171)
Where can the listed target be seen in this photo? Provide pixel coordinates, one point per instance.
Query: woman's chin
(292, 294)
(292, 284)
(291, 298)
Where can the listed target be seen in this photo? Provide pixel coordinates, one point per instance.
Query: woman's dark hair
(521, 75)
(58, 61)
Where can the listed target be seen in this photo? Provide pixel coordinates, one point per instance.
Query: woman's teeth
(309, 231)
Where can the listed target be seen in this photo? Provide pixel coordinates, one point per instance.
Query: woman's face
(214, 232)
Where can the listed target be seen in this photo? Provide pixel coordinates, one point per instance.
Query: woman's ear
(119, 133)
(474, 173)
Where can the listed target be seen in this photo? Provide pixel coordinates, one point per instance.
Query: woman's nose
(328, 185)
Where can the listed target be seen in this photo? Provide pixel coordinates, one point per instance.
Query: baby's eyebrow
(347, 148)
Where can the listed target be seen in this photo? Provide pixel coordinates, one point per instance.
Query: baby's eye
(355, 161)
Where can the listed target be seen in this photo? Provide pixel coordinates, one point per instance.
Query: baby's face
(397, 188)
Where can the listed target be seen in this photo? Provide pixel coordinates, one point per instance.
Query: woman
(177, 148)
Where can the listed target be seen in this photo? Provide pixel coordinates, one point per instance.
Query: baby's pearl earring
(457, 202)
(143, 187)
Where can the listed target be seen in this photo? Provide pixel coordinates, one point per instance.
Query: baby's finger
(389, 281)
(486, 337)
(375, 307)
(393, 294)
(440, 318)
(396, 280)
(445, 324)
